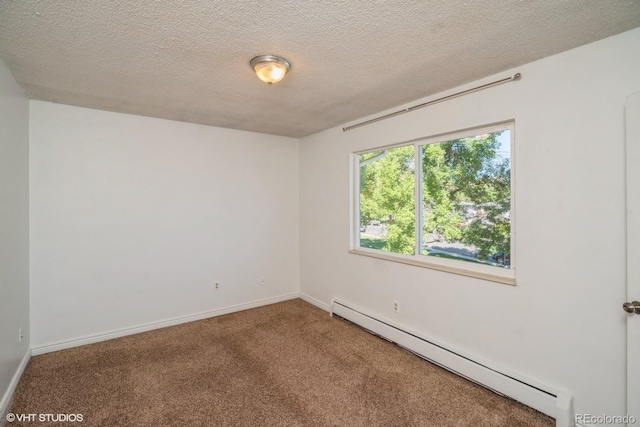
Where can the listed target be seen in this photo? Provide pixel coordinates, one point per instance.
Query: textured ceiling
(189, 60)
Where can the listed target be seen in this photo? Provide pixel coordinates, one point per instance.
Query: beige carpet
(287, 364)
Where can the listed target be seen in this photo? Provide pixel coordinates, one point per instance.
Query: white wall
(14, 229)
(562, 325)
(133, 219)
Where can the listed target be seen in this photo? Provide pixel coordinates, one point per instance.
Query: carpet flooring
(286, 364)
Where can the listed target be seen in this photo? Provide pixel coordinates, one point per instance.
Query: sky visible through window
(505, 144)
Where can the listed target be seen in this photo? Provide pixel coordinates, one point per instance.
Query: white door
(633, 255)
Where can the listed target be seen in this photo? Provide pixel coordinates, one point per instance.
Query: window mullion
(418, 197)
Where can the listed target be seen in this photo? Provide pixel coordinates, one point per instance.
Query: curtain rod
(516, 76)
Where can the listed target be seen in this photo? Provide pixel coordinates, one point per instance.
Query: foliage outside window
(463, 218)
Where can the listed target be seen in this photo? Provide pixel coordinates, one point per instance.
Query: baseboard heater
(556, 404)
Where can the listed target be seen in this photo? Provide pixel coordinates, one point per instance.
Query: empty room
(323, 213)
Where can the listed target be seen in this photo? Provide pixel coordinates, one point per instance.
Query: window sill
(478, 271)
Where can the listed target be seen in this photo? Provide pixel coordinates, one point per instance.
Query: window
(462, 221)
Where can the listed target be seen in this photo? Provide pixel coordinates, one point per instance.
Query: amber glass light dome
(270, 69)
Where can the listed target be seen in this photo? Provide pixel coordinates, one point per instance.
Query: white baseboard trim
(7, 399)
(315, 302)
(62, 345)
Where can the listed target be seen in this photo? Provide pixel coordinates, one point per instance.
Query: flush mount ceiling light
(270, 69)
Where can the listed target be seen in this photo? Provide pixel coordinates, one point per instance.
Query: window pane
(467, 199)
(387, 200)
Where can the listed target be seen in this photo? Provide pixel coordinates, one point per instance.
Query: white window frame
(480, 271)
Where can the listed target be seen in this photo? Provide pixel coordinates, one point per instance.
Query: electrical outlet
(216, 286)
(396, 306)
(20, 336)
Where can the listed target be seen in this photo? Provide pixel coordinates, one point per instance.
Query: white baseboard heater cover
(556, 404)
